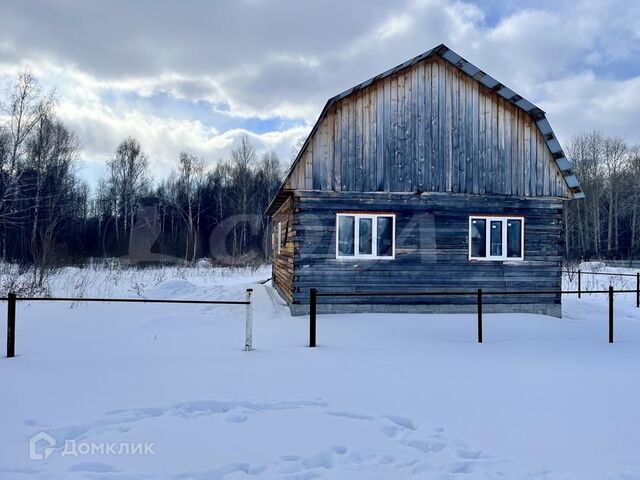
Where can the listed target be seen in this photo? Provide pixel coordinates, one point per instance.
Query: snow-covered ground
(381, 397)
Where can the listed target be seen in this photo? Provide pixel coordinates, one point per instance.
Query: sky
(196, 75)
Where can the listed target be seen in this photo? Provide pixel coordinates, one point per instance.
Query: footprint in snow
(352, 416)
(403, 422)
(426, 446)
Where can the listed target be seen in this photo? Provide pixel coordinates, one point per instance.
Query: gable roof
(444, 52)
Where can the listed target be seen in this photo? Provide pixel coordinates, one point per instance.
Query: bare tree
(614, 159)
(26, 106)
(127, 181)
(634, 173)
(243, 158)
(189, 183)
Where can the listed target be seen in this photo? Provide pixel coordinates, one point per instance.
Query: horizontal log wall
(431, 248)
(430, 128)
(282, 266)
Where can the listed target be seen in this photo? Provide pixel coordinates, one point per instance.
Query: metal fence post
(11, 325)
(579, 284)
(312, 316)
(638, 290)
(479, 315)
(610, 314)
(248, 333)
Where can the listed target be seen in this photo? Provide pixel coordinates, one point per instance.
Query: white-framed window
(366, 236)
(279, 236)
(496, 238)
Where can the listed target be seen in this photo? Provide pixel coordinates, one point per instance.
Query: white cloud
(101, 129)
(585, 102)
(264, 62)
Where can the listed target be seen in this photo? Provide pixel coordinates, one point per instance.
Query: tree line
(49, 215)
(606, 223)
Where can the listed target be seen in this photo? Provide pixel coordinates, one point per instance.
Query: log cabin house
(431, 176)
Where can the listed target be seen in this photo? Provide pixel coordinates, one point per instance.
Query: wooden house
(431, 176)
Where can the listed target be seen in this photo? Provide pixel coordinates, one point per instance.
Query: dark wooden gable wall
(428, 128)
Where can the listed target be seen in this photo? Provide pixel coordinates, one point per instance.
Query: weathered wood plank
(428, 128)
(421, 102)
(527, 157)
(454, 98)
(337, 150)
(387, 136)
(379, 141)
(401, 139)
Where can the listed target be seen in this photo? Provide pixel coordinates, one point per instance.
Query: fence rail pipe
(479, 315)
(610, 314)
(313, 299)
(248, 332)
(11, 325)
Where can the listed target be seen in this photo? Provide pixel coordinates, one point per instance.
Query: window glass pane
(496, 238)
(478, 238)
(345, 235)
(385, 236)
(366, 236)
(514, 238)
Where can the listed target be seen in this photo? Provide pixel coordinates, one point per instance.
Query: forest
(50, 216)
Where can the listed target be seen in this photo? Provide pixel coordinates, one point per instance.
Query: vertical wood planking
(367, 171)
(308, 170)
(337, 149)
(419, 128)
(317, 162)
(501, 163)
(547, 169)
(353, 166)
(489, 179)
(401, 129)
(454, 95)
(379, 138)
(508, 162)
(448, 130)
(469, 135)
(521, 150)
(433, 128)
(357, 147)
(443, 134)
(393, 144)
(534, 158)
(428, 128)
(428, 108)
(482, 137)
(387, 136)
(329, 154)
(494, 148)
(540, 165)
(527, 157)
(412, 131)
(345, 146)
(475, 147)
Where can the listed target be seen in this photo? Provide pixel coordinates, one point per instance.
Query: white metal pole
(248, 336)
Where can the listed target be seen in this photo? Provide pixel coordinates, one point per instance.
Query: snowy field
(381, 397)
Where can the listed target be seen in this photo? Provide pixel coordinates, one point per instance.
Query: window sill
(361, 258)
(503, 260)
